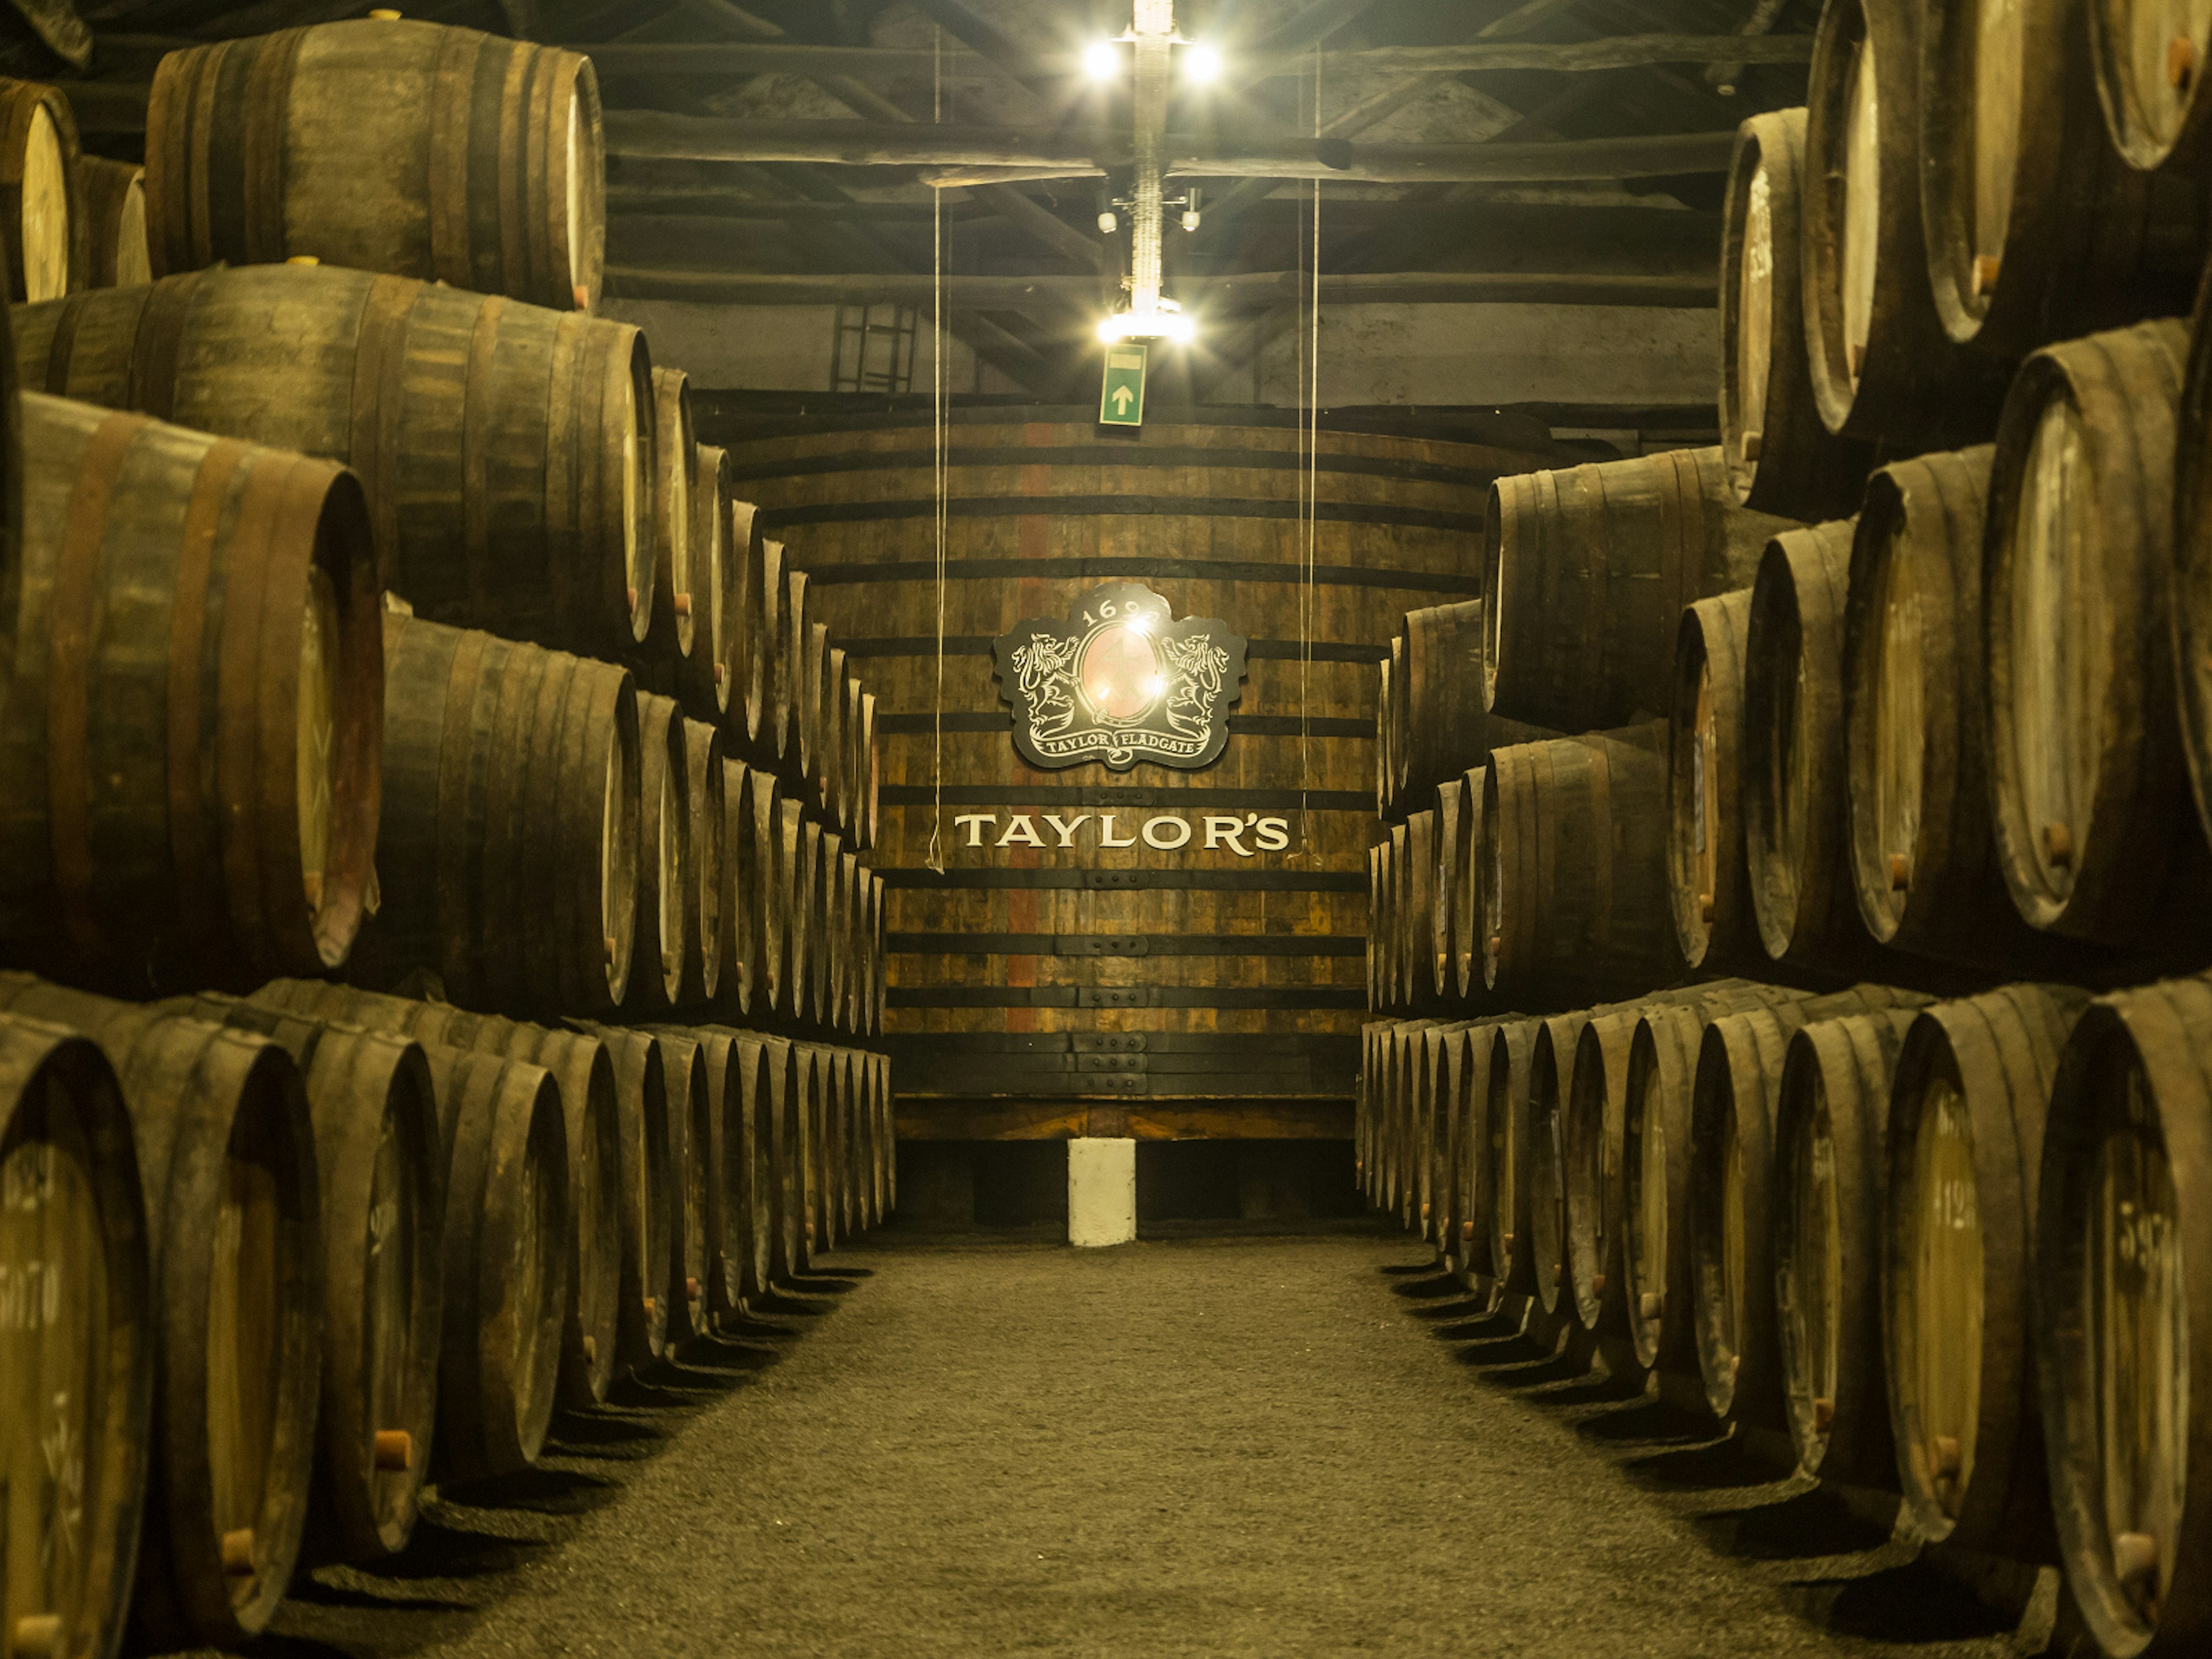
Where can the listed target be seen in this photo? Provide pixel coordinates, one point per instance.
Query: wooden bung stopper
(395, 1450)
(38, 1636)
(1467, 1233)
(2134, 1557)
(1824, 1413)
(1944, 1457)
(1901, 873)
(1649, 1304)
(591, 1350)
(2058, 844)
(1597, 1284)
(237, 1550)
(2180, 61)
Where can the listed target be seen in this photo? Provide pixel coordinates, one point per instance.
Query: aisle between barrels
(1287, 1445)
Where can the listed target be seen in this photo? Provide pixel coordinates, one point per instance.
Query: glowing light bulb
(1201, 63)
(1101, 61)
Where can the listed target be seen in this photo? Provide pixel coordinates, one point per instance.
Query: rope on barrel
(940, 416)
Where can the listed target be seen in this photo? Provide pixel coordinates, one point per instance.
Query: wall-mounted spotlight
(1102, 60)
(1165, 323)
(1200, 63)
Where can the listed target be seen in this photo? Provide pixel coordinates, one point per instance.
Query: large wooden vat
(1062, 972)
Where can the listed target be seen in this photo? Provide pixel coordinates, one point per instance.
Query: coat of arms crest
(1118, 680)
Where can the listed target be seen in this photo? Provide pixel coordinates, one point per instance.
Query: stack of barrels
(434, 823)
(1820, 1110)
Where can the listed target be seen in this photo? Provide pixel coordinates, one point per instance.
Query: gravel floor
(1204, 1446)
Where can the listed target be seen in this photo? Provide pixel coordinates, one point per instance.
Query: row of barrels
(1937, 1254)
(526, 471)
(209, 725)
(1955, 733)
(1961, 188)
(560, 842)
(488, 157)
(268, 1264)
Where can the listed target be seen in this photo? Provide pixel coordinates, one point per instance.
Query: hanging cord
(939, 418)
(1309, 502)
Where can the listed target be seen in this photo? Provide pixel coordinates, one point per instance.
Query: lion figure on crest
(1046, 666)
(1199, 665)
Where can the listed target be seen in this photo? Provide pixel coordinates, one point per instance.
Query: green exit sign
(1121, 399)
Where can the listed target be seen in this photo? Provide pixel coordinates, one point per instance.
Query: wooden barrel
(1427, 1117)
(1781, 457)
(753, 716)
(786, 1188)
(1707, 883)
(749, 817)
(674, 629)
(1462, 1218)
(886, 1107)
(384, 145)
(225, 1144)
(1451, 878)
(748, 1132)
(1574, 849)
(868, 774)
(664, 915)
(1464, 854)
(76, 1342)
(1382, 907)
(647, 1213)
(833, 697)
(2120, 1332)
(1730, 1203)
(510, 829)
(113, 196)
(508, 1256)
(1882, 368)
(40, 207)
(1965, 1138)
(1417, 906)
(850, 952)
(189, 781)
(696, 1190)
(1506, 1083)
(507, 451)
(1008, 943)
(717, 589)
(786, 919)
(1916, 719)
(2036, 228)
(1544, 1162)
(381, 1160)
(591, 1131)
(1829, 1117)
(705, 882)
(2150, 63)
(722, 1166)
(1585, 573)
(2085, 751)
(807, 1103)
(1796, 810)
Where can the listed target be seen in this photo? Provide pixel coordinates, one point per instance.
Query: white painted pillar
(1101, 1191)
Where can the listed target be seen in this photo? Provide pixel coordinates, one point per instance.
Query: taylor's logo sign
(1119, 681)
